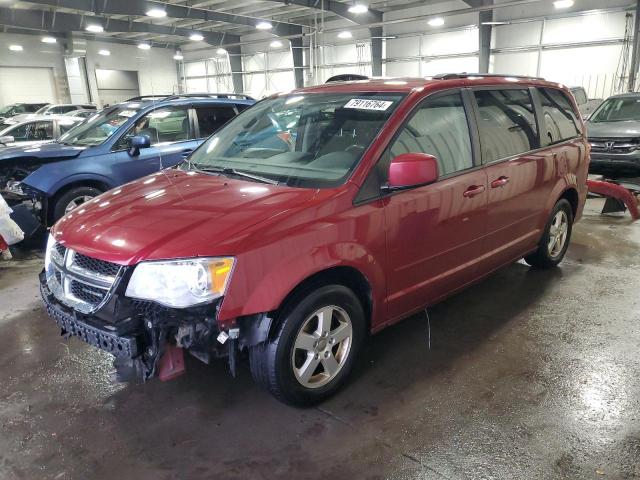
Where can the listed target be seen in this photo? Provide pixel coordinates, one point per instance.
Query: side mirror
(7, 139)
(411, 170)
(138, 142)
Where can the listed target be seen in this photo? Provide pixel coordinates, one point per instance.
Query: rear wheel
(314, 347)
(555, 239)
(72, 199)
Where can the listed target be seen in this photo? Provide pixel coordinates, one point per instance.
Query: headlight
(47, 255)
(181, 283)
(14, 186)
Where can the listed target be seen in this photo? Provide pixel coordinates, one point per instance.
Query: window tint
(439, 128)
(164, 125)
(33, 131)
(560, 121)
(210, 119)
(506, 122)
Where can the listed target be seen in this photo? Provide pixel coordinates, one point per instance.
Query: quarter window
(210, 119)
(438, 128)
(506, 122)
(560, 121)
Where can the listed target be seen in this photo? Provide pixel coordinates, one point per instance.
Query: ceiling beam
(340, 9)
(73, 22)
(140, 7)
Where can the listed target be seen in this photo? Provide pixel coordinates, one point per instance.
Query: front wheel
(72, 199)
(555, 239)
(314, 347)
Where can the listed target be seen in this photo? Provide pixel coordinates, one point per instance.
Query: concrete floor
(531, 375)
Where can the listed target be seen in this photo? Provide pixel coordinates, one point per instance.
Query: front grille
(614, 145)
(78, 281)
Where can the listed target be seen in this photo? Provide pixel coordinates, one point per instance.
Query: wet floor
(531, 375)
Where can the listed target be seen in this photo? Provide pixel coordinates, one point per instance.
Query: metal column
(298, 67)
(633, 72)
(235, 61)
(484, 32)
(376, 51)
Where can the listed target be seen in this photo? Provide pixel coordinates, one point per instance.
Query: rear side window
(210, 119)
(440, 128)
(506, 122)
(559, 121)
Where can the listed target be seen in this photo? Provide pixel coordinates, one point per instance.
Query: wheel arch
(571, 195)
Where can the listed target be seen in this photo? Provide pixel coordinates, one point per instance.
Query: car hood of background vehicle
(53, 151)
(626, 129)
(174, 214)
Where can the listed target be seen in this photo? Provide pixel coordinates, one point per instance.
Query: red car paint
(413, 247)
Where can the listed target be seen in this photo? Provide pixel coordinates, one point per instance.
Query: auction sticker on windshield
(366, 104)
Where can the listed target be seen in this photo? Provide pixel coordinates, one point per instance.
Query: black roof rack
(451, 76)
(346, 77)
(147, 97)
(234, 96)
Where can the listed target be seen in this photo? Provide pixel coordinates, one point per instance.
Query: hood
(174, 214)
(46, 151)
(625, 129)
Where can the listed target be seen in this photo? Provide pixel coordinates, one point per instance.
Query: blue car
(119, 144)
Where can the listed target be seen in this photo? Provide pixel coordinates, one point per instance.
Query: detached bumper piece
(70, 325)
(618, 196)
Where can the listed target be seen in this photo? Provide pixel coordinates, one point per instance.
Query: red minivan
(317, 217)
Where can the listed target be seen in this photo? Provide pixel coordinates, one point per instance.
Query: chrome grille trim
(614, 145)
(65, 277)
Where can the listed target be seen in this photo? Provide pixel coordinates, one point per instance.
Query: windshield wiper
(238, 173)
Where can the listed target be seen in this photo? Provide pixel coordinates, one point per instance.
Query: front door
(435, 233)
(171, 138)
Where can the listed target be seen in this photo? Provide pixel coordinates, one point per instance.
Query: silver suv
(614, 134)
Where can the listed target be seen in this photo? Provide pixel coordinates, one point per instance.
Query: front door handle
(500, 182)
(473, 190)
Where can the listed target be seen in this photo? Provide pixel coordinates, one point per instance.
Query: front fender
(50, 178)
(259, 285)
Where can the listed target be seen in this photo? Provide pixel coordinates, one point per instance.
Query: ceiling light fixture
(15, 48)
(48, 40)
(178, 55)
(264, 26)
(196, 37)
(94, 28)
(495, 23)
(436, 21)
(563, 3)
(144, 46)
(221, 51)
(156, 12)
(104, 52)
(276, 44)
(345, 35)
(358, 8)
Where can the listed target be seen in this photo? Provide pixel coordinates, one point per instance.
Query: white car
(54, 109)
(36, 129)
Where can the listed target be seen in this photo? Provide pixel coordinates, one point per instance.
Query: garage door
(18, 84)
(115, 86)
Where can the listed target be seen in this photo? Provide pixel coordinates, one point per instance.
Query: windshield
(98, 128)
(618, 109)
(307, 140)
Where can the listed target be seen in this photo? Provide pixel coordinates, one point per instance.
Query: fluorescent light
(144, 46)
(494, 23)
(276, 44)
(196, 37)
(156, 12)
(48, 40)
(94, 28)
(15, 48)
(345, 35)
(178, 55)
(436, 21)
(264, 26)
(221, 51)
(358, 8)
(104, 52)
(563, 3)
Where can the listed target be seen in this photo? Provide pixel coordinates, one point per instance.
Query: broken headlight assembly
(181, 283)
(15, 187)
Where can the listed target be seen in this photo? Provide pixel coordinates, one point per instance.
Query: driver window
(164, 125)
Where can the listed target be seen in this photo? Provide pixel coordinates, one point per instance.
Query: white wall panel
(518, 63)
(446, 43)
(596, 26)
(449, 65)
(516, 35)
(195, 69)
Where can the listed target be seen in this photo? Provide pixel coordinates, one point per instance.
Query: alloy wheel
(322, 346)
(558, 233)
(76, 202)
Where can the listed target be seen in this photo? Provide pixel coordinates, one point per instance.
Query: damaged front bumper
(147, 339)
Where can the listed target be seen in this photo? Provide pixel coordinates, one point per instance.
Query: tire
(77, 194)
(548, 255)
(298, 376)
